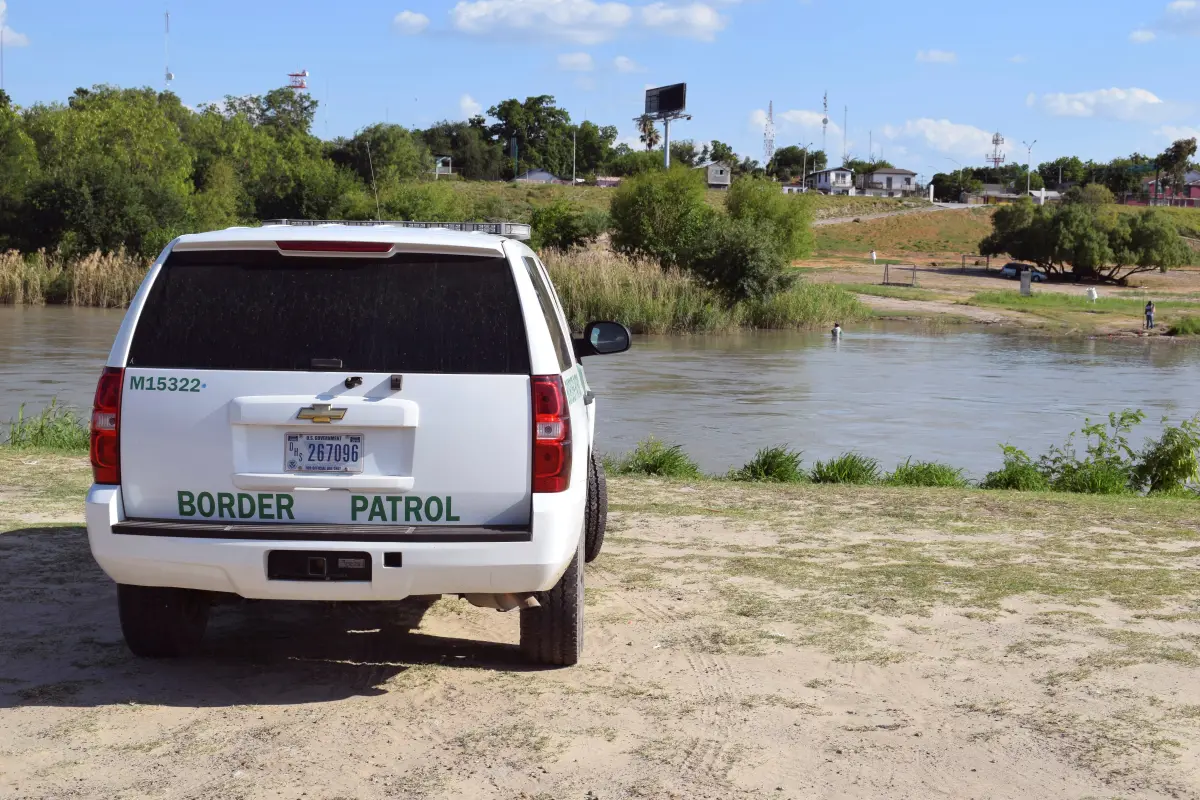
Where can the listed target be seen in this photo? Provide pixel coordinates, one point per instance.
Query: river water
(887, 390)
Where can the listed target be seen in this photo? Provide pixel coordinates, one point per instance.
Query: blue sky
(926, 81)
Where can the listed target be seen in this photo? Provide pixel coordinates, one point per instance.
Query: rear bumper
(233, 559)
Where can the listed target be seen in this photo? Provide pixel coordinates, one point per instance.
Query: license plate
(323, 452)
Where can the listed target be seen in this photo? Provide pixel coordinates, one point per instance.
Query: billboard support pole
(667, 142)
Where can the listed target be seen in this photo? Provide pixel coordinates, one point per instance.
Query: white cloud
(11, 38)
(693, 21)
(793, 120)
(1181, 6)
(1126, 104)
(1018, 59)
(576, 62)
(1173, 132)
(1181, 18)
(469, 106)
(583, 21)
(626, 64)
(936, 57)
(944, 136)
(1142, 36)
(410, 23)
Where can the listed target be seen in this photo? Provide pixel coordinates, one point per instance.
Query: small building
(1188, 196)
(539, 176)
(1043, 196)
(992, 194)
(794, 188)
(838, 180)
(718, 174)
(608, 181)
(887, 182)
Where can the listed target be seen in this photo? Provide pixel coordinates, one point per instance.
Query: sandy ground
(741, 643)
(894, 306)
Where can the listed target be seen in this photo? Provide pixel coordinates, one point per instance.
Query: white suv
(342, 411)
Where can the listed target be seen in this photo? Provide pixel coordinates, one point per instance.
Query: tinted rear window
(253, 310)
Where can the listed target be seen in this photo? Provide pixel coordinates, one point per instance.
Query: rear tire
(552, 634)
(162, 622)
(596, 514)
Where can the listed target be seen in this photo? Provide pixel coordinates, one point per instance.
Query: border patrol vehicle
(348, 412)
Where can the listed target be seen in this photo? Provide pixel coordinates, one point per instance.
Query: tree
(949, 187)
(648, 131)
(759, 201)
(791, 162)
(719, 151)
(541, 129)
(1091, 195)
(1173, 162)
(383, 154)
(473, 155)
(684, 153)
(283, 112)
(661, 215)
(1071, 169)
(593, 146)
(860, 167)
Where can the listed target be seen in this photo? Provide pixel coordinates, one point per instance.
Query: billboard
(666, 99)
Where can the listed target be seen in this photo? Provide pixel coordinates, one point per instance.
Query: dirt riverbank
(743, 642)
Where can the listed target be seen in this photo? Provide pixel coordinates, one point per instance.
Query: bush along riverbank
(1103, 463)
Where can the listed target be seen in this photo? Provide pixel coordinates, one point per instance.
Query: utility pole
(574, 133)
(667, 142)
(1028, 162)
(804, 166)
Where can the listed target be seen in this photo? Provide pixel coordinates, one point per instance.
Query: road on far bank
(742, 642)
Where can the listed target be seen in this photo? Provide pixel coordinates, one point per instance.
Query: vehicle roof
(433, 239)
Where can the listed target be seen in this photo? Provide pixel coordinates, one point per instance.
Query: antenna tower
(168, 76)
(824, 120)
(769, 135)
(996, 158)
(298, 80)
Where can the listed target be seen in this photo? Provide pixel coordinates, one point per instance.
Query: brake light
(106, 427)
(551, 435)
(335, 247)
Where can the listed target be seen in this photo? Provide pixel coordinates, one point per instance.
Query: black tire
(596, 514)
(552, 634)
(161, 622)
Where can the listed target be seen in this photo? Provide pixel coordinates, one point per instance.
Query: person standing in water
(837, 330)
(1149, 315)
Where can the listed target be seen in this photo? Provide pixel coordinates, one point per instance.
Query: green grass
(53, 428)
(921, 234)
(1186, 326)
(926, 473)
(654, 457)
(1059, 301)
(852, 468)
(898, 292)
(774, 464)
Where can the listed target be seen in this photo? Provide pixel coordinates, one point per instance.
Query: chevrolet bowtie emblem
(321, 412)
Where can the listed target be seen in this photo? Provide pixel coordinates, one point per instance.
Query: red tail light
(106, 427)
(335, 247)
(551, 435)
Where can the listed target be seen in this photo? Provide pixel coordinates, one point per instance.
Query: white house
(887, 182)
(838, 180)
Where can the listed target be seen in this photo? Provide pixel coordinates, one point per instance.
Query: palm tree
(648, 131)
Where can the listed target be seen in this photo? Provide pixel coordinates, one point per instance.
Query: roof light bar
(509, 230)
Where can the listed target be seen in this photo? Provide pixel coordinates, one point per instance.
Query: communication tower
(824, 120)
(769, 135)
(168, 76)
(298, 80)
(996, 158)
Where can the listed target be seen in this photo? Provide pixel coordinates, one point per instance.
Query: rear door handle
(588, 397)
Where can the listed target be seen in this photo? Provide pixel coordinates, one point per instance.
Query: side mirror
(602, 339)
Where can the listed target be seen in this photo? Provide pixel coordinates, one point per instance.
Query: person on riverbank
(1149, 315)
(872, 258)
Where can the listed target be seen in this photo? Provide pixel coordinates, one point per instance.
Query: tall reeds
(599, 284)
(105, 280)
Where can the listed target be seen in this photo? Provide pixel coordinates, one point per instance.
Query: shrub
(54, 428)
(1169, 462)
(760, 201)
(660, 215)
(846, 468)
(1093, 477)
(741, 260)
(926, 473)
(776, 464)
(433, 201)
(1186, 326)
(654, 457)
(563, 226)
(1108, 465)
(1018, 473)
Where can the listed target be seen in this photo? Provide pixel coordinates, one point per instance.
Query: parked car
(337, 412)
(1013, 270)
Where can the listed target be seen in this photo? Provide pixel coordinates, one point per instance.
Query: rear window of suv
(256, 310)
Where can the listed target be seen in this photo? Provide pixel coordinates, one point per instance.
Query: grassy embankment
(1177, 317)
